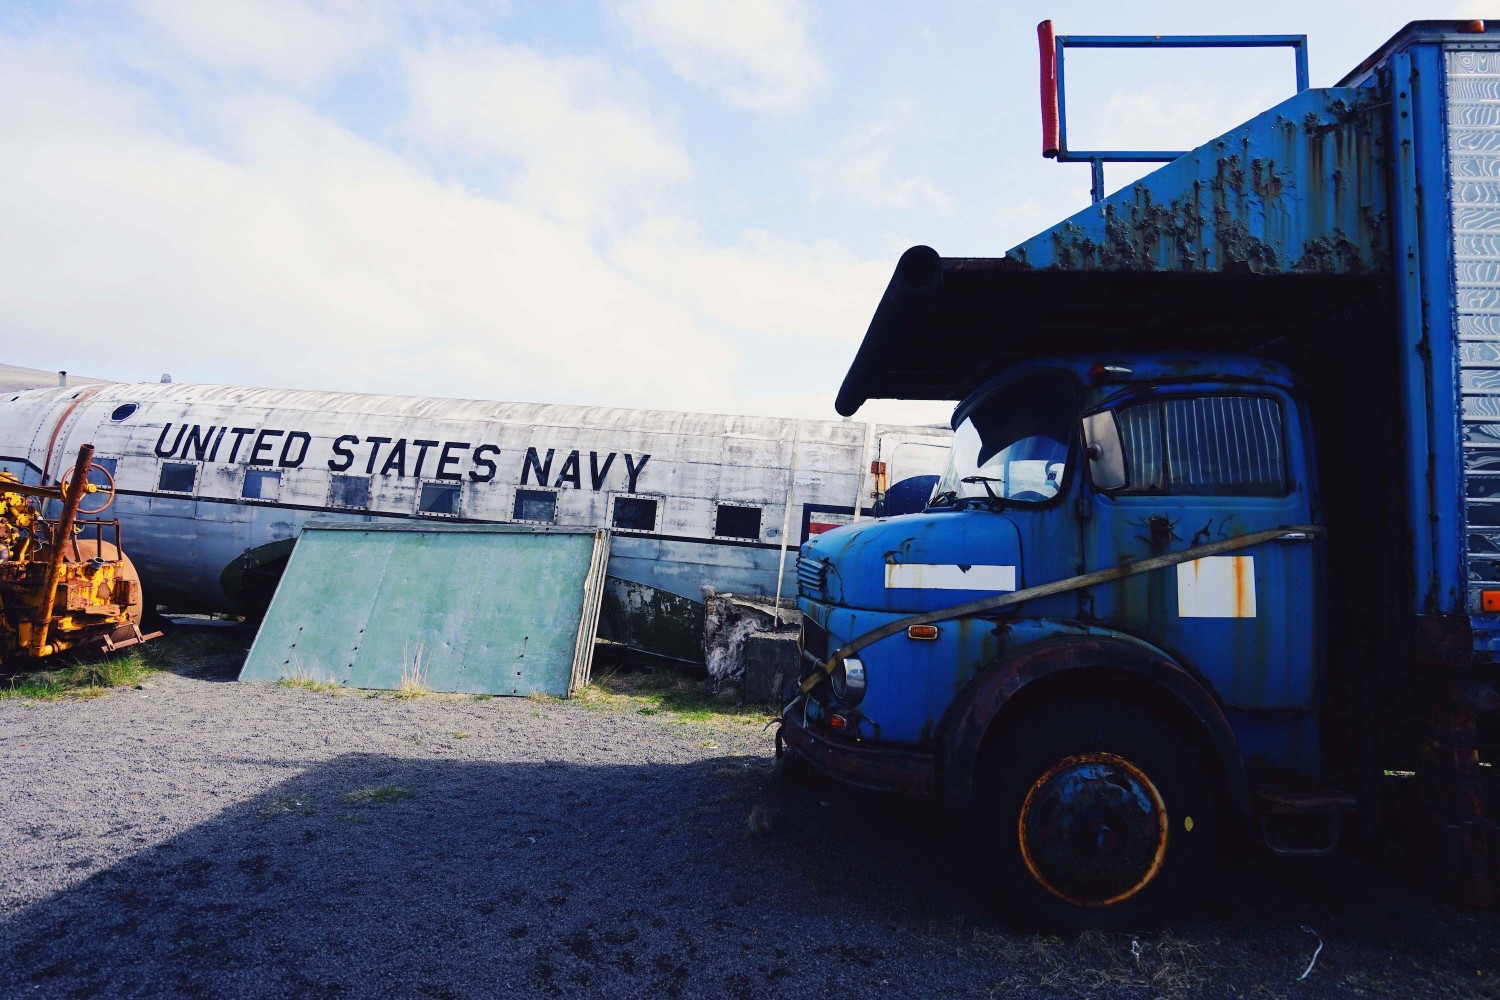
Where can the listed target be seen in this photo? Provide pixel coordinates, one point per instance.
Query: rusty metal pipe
(70, 501)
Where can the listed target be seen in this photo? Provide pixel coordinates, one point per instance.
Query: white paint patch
(1216, 587)
(937, 576)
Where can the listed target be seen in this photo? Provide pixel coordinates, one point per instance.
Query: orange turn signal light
(837, 722)
(1474, 27)
(921, 631)
(1489, 600)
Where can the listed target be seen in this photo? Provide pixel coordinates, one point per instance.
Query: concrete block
(769, 659)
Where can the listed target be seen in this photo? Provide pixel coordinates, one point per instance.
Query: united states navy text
(385, 456)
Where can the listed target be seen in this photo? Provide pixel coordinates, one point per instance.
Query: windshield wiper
(943, 499)
(985, 482)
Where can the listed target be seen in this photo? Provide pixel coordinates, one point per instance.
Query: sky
(663, 204)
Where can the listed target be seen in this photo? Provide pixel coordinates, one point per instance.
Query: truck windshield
(1014, 445)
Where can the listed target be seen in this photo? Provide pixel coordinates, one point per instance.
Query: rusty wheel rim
(1093, 830)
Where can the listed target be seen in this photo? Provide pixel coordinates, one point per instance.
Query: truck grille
(814, 638)
(811, 573)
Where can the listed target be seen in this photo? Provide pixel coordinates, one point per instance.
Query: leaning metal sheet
(503, 609)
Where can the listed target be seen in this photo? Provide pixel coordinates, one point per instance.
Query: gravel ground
(202, 837)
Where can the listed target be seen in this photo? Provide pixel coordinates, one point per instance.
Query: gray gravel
(195, 839)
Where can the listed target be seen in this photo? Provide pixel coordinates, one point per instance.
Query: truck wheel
(1091, 814)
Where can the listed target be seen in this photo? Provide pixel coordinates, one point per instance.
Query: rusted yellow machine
(65, 583)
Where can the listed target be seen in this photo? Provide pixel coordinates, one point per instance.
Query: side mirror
(1105, 454)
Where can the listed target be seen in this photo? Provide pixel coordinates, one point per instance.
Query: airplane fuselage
(214, 482)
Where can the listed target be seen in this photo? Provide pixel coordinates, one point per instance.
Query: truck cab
(1062, 468)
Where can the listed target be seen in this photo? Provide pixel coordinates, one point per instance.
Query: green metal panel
(477, 608)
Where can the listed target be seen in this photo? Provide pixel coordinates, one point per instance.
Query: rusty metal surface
(1298, 189)
(910, 772)
(63, 586)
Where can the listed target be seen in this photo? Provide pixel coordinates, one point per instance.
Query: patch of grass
(73, 679)
(461, 734)
(1099, 962)
(413, 675)
(539, 698)
(378, 794)
(672, 694)
(482, 697)
(285, 806)
(303, 679)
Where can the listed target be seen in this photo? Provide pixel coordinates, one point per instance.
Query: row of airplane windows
(440, 499)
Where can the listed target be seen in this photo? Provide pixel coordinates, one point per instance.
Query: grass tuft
(87, 679)
(668, 693)
(413, 675)
(304, 679)
(461, 734)
(1098, 962)
(378, 794)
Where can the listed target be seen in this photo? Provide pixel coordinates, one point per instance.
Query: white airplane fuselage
(214, 482)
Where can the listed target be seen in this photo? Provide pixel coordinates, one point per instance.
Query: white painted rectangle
(1216, 587)
(938, 576)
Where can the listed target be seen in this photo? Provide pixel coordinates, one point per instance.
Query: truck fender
(981, 708)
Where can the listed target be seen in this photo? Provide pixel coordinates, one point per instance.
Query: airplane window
(733, 521)
(177, 477)
(349, 491)
(635, 514)
(439, 498)
(122, 411)
(535, 505)
(261, 484)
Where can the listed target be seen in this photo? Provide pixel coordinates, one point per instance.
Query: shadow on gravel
(206, 651)
(380, 876)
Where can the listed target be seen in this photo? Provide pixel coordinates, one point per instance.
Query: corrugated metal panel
(480, 609)
(1473, 91)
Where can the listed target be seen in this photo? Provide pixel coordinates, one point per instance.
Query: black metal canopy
(946, 324)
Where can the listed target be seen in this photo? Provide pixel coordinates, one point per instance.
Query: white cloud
(858, 167)
(562, 129)
(754, 53)
(312, 258)
(286, 41)
(764, 286)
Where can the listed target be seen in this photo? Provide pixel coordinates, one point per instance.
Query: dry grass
(378, 795)
(413, 674)
(1096, 962)
(305, 680)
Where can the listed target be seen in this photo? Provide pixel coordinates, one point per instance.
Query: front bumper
(883, 769)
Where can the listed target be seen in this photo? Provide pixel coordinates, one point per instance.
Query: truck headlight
(848, 681)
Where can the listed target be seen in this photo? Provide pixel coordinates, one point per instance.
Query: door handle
(1296, 536)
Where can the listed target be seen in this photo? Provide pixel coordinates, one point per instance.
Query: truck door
(1202, 465)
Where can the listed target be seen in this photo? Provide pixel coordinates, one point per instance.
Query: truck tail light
(837, 722)
(1474, 27)
(1489, 600)
(921, 631)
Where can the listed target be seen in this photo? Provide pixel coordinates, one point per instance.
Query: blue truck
(1216, 557)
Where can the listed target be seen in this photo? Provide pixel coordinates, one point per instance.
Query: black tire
(1091, 813)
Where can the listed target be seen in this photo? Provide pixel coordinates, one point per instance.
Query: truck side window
(1204, 446)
